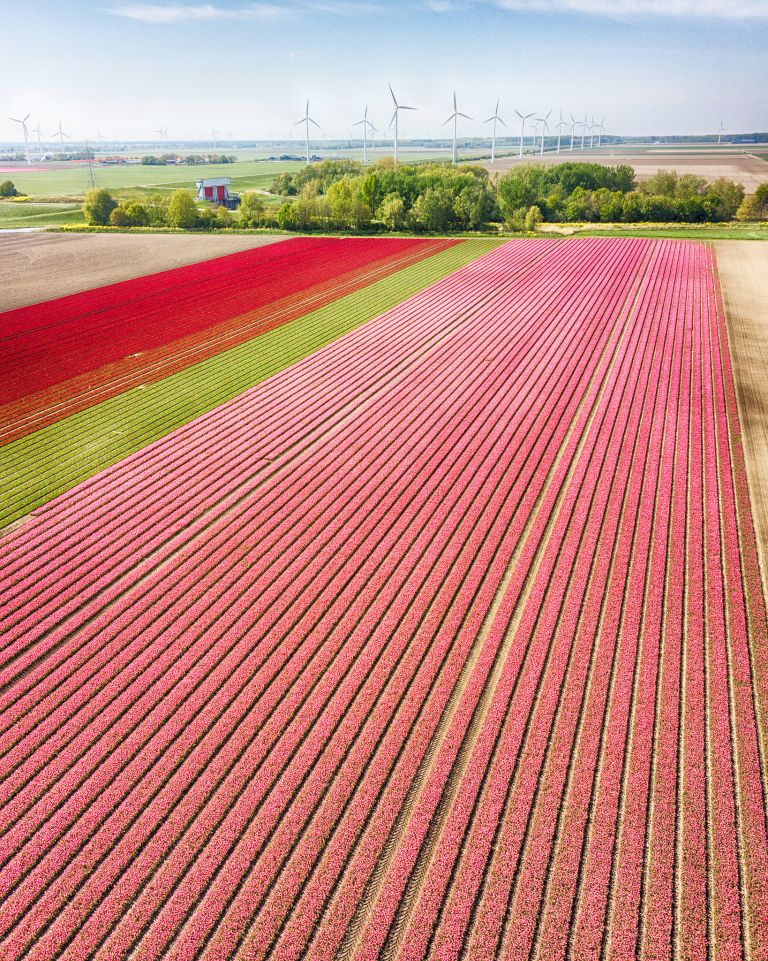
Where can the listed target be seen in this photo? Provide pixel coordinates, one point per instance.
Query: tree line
(434, 198)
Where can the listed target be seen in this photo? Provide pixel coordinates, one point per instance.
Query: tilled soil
(40, 266)
(743, 269)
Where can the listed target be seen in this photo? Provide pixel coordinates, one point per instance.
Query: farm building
(216, 190)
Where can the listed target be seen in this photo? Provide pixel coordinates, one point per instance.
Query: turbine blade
(465, 116)
(519, 114)
(314, 122)
(394, 98)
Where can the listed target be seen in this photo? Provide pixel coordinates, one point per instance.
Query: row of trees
(435, 199)
(439, 198)
(192, 160)
(179, 209)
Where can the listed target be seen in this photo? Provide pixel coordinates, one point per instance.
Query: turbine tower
(494, 120)
(522, 129)
(365, 123)
(601, 130)
(584, 125)
(574, 124)
(24, 130)
(592, 133)
(306, 120)
(214, 132)
(560, 124)
(544, 129)
(720, 132)
(39, 133)
(455, 118)
(395, 115)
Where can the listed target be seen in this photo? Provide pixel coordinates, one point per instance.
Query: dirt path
(40, 266)
(743, 269)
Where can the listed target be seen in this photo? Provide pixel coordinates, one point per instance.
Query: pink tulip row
(438, 646)
(101, 638)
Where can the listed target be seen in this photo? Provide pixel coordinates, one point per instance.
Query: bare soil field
(40, 266)
(745, 168)
(743, 269)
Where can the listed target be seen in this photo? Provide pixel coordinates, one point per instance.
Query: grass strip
(37, 468)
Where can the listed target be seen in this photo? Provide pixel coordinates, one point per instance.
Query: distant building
(216, 191)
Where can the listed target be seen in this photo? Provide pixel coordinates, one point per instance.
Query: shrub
(7, 189)
(182, 210)
(98, 206)
(533, 218)
(251, 210)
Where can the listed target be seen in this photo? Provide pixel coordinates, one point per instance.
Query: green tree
(533, 219)
(119, 218)
(392, 212)
(251, 209)
(97, 207)
(725, 198)
(434, 210)
(137, 214)
(755, 206)
(7, 189)
(346, 207)
(182, 210)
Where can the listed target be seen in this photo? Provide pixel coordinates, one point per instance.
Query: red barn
(216, 190)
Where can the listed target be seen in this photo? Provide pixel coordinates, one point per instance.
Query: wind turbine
(307, 120)
(365, 123)
(61, 135)
(455, 118)
(494, 120)
(601, 129)
(544, 129)
(214, 131)
(522, 129)
(560, 124)
(720, 132)
(23, 123)
(574, 124)
(584, 125)
(161, 131)
(592, 133)
(395, 116)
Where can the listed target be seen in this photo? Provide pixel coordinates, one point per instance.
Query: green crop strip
(37, 468)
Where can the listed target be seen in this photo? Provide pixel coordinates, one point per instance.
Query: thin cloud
(190, 13)
(202, 12)
(345, 8)
(621, 9)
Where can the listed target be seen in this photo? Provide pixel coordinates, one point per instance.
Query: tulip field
(400, 600)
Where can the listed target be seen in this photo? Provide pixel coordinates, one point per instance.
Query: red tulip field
(445, 639)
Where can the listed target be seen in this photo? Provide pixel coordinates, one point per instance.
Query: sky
(126, 67)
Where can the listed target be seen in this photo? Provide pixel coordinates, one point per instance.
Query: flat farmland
(37, 267)
(443, 639)
(739, 165)
(71, 179)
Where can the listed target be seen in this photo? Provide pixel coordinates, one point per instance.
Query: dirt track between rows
(743, 269)
(40, 266)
